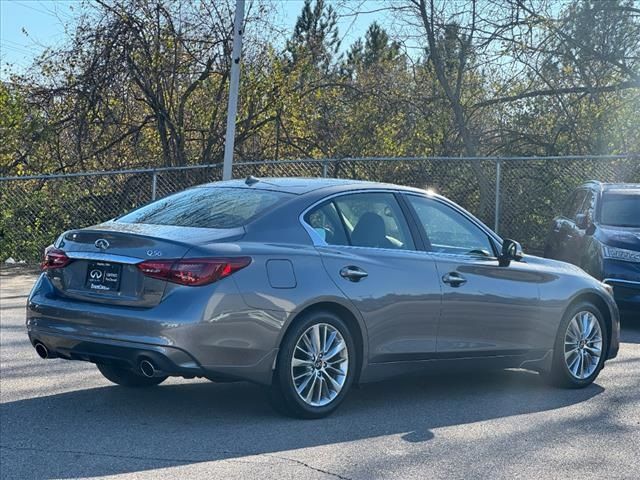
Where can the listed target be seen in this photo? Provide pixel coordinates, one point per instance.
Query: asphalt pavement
(61, 419)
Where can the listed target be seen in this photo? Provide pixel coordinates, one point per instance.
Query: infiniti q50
(309, 286)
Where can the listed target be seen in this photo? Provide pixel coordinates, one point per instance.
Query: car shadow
(112, 430)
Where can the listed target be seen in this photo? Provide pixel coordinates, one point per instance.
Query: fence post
(325, 165)
(496, 222)
(154, 185)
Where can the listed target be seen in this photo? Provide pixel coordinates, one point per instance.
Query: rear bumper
(168, 360)
(194, 332)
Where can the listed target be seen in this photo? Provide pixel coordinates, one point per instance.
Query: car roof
(301, 185)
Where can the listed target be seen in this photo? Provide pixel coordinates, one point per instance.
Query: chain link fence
(517, 196)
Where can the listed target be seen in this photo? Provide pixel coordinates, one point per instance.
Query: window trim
(410, 217)
(319, 242)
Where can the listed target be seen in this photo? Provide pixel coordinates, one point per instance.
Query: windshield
(621, 209)
(206, 207)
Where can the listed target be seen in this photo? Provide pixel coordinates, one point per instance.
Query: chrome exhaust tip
(147, 368)
(41, 350)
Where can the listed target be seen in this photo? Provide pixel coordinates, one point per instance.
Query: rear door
(369, 251)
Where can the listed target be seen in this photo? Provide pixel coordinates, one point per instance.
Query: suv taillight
(194, 271)
(54, 258)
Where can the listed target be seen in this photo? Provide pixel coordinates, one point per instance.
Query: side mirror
(511, 250)
(582, 221)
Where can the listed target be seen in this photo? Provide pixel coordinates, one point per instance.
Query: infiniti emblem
(102, 244)
(95, 274)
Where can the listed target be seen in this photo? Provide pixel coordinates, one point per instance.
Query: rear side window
(327, 224)
(207, 207)
(374, 220)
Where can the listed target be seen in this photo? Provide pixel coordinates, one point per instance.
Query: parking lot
(61, 419)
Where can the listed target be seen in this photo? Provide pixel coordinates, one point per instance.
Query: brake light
(193, 272)
(54, 258)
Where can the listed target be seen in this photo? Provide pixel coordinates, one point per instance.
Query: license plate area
(103, 276)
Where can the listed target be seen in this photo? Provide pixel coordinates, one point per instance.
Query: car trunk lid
(105, 258)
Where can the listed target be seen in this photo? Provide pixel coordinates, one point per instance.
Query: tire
(328, 378)
(571, 368)
(128, 378)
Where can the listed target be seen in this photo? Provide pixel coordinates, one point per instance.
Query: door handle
(353, 273)
(454, 279)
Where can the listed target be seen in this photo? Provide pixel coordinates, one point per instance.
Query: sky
(27, 27)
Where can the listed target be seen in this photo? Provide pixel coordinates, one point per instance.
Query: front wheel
(315, 366)
(579, 351)
(128, 378)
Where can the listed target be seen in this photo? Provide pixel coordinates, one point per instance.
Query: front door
(487, 309)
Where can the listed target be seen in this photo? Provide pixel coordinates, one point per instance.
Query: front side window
(589, 204)
(574, 204)
(449, 231)
(206, 207)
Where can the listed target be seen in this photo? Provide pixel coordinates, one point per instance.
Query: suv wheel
(580, 347)
(315, 366)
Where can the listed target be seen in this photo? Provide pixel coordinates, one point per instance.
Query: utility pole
(234, 83)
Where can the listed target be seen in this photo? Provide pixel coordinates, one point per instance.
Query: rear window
(206, 207)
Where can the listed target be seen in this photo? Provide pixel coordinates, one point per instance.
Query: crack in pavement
(300, 462)
(183, 461)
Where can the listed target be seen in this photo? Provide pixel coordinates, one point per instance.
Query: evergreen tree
(315, 35)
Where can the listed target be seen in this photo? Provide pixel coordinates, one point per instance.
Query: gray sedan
(309, 286)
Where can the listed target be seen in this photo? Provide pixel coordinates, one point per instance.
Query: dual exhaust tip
(147, 368)
(41, 350)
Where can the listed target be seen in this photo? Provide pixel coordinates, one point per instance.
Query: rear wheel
(579, 351)
(128, 378)
(315, 366)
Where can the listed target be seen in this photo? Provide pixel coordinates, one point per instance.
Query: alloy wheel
(320, 364)
(583, 345)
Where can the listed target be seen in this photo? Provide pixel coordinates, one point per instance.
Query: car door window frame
(494, 240)
(416, 237)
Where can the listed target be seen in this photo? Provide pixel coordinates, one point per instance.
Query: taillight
(54, 258)
(193, 272)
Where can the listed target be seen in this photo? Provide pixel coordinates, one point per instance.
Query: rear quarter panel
(272, 304)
